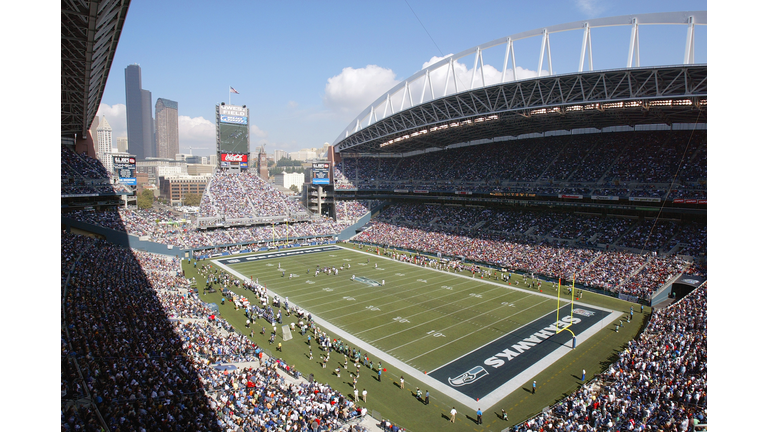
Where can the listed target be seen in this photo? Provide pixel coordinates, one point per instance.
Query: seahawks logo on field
(583, 312)
(468, 377)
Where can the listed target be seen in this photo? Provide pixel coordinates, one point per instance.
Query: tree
(294, 188)
(192, 200)
(145, 199)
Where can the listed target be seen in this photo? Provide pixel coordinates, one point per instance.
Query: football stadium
(492, 254)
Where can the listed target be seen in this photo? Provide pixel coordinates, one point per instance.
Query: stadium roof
(90, 31)
(438, 107)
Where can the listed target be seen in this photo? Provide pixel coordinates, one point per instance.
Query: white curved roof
(440, 80)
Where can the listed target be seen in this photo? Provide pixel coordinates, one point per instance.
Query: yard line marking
(430, 310)
(464, 322)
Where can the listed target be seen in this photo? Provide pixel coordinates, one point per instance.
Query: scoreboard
(232, 129)
(321, 173)
(125, 169)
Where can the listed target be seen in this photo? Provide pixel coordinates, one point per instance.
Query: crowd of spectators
(147, 353)
(84, 175)
(636, 164)
(521, 241)
(350, 211)
(167, 227)
(658, 384)
(244, 195)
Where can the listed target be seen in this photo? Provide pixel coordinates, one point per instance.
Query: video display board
(232, 127)
(321, 173)
(125, 169)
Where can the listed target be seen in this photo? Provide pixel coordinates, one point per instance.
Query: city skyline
(306, 72)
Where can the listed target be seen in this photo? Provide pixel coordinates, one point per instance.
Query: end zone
(494, 370)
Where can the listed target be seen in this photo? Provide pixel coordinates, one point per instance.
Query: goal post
(559, 296)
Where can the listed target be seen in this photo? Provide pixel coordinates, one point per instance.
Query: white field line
(413, 304)
(468, 334)
(367, 290)
(441, 317)
(419, 313)
(487, 281)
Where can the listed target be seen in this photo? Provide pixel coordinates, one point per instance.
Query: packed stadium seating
(245, 195)
(102, 350)
(636, 164)
(527, 241)
(149, 373)
(162, 227)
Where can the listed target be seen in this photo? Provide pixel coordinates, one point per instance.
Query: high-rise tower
(167, 128)
(104, 146)
(138, 114)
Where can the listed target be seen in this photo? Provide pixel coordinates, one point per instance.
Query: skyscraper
(104, 137)
(138, 114)
(167, 128)
(104, 146)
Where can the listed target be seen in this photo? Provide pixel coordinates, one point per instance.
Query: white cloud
(463, 78)
(591, 8)
(115, 115)
(257, 133)
(354, 89)
(434, 60)
(196, 133)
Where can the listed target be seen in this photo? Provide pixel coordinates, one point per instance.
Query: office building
(122, 144)
(138, 115)
(103, 143)
(167, 128)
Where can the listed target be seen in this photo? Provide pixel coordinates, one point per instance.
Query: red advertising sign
(234, 157)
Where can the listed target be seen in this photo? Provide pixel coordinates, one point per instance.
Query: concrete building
(150, 167)
(279, 154)
(122, 144)
(175, 188)
(286, 180)
(198, 169)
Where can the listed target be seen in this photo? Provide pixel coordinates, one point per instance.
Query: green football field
(422, 317)
(416, 320)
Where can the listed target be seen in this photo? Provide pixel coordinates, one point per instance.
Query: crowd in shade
(658, 384)
(84, 175)
(657, 165)
(245, 195)
(147, 355)
(518, 241)
(170, 228)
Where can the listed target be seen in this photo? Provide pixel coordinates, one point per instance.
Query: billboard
(320, 173)
(125, 169)
(232, 129)
(233, 159)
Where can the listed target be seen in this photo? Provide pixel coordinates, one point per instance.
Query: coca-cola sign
(234, 157)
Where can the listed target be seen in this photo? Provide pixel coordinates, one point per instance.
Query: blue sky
(307, 68)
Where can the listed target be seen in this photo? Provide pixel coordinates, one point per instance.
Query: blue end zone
(489, 367)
